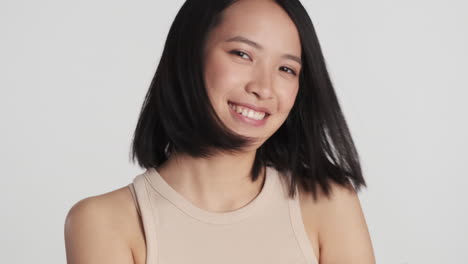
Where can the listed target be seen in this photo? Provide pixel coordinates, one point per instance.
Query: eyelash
(237, 52)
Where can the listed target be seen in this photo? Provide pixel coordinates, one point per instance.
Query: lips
(247, 112)
(247, 120)
(253, 107)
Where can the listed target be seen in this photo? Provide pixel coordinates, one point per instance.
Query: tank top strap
(134, 197)
(299, 229)
(147, 212)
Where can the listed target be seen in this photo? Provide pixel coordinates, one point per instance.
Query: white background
(73, 75)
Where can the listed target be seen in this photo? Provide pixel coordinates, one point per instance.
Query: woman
(248, 157)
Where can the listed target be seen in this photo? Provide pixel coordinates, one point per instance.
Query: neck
(220, 183)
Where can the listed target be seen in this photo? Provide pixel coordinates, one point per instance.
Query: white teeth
(248, 112)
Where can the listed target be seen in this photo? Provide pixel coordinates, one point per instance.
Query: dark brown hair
(311, 148)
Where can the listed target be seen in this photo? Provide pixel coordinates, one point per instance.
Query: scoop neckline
(158, 183)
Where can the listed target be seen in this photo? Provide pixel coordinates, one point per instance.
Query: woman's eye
(240, 53)
(244, 55)
(289, 70)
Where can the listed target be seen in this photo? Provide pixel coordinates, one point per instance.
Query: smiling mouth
(248, 112)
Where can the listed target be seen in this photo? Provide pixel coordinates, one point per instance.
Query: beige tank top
(269, 229)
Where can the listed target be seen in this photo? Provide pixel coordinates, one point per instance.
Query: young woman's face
(252, 60)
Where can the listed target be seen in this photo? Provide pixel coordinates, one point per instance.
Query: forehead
(262, 21)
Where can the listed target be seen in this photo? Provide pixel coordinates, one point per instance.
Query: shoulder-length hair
(312, 148)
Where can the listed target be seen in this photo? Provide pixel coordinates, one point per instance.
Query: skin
(264, 77)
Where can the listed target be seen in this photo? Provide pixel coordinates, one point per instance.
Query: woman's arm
(343, 233)
(94, 234)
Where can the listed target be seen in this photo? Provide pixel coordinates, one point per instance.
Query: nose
(261, 83)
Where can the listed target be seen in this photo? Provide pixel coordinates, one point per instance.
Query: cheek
(288, 97)
(220, 79)
(219, 74)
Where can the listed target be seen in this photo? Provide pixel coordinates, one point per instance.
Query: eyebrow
(258, 46)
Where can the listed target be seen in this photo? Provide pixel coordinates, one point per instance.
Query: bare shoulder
(104, 229)
(340, 225)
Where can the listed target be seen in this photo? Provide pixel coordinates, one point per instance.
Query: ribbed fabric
(267, 230)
